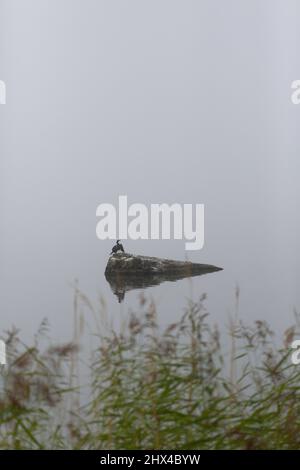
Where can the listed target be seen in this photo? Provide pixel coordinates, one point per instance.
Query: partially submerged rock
(125, 272)
(126, 263)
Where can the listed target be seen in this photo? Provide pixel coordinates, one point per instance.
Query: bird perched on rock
(118, 247)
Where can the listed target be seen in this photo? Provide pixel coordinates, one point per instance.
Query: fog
(165, 102)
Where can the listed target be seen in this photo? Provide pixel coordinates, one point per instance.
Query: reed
(177, 388)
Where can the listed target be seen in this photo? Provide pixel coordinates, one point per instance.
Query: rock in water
(125, 263)
(125, 272)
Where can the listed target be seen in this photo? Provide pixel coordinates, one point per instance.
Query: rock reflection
(120, 283)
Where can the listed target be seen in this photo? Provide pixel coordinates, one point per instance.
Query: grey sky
(165, 101)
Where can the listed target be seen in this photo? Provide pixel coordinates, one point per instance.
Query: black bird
(117, 247)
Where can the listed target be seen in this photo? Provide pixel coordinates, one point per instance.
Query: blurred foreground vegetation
(180, 388)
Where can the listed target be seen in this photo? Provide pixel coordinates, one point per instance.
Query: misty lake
(100, 114)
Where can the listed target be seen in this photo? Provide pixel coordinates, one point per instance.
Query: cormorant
(117, 247)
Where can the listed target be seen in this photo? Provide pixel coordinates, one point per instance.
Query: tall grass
(149, 388)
